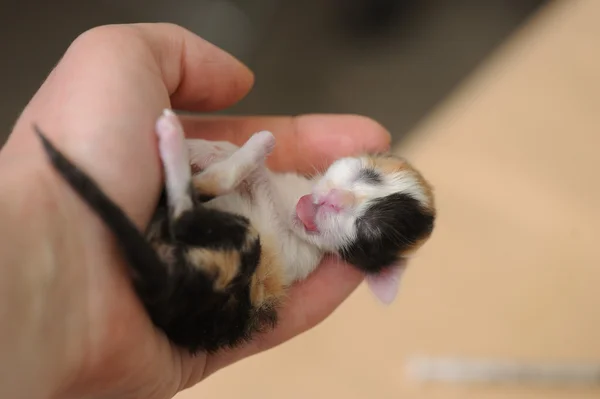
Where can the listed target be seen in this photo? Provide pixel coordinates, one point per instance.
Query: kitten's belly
(298, 257)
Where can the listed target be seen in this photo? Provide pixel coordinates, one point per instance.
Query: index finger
(304, 143)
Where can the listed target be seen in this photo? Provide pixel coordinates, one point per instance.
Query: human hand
(85, 330)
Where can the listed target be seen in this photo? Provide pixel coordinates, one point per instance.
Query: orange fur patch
(390, 164)
(210, 184)
(266, 286)
(223, 265)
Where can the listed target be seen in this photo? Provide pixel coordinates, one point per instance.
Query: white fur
(272, 208)
(240, 183)
(269, 200)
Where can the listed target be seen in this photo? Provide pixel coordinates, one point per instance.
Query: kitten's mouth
(306, 210)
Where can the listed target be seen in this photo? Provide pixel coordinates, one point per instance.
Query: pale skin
(70, 324)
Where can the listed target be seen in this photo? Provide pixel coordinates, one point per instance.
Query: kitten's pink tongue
(306, 211)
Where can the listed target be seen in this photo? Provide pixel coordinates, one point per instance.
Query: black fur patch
(391, 225)
(210, 228)
(204, 197)
(370, 176)
(179, 297)
(196, 316)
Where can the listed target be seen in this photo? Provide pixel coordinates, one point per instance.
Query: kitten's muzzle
(334, 201)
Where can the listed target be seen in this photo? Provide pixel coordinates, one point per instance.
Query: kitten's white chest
(271, 214)
(300, 258)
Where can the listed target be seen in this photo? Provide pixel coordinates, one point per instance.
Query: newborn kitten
(229, 236)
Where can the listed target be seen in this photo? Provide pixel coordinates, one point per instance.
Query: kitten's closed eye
(370, 176)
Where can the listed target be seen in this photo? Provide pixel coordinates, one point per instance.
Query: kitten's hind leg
(222, 177)
(175, 159)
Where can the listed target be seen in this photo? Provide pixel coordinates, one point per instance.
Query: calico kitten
(229, 236)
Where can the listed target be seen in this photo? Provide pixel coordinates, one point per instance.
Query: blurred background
(495, 101)
(392, 60)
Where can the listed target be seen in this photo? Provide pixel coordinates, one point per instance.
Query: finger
(311, 301)
(106, 92)
(303, 143)
(198, 75)
(315, 299)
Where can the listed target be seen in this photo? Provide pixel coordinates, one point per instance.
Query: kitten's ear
(386, 284)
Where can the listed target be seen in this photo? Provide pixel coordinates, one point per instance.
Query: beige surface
(513, 268)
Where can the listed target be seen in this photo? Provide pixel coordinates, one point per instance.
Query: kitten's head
(374, 211)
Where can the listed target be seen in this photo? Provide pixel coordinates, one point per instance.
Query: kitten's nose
(337, 199)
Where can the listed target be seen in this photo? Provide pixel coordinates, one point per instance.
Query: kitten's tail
(141, 257)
